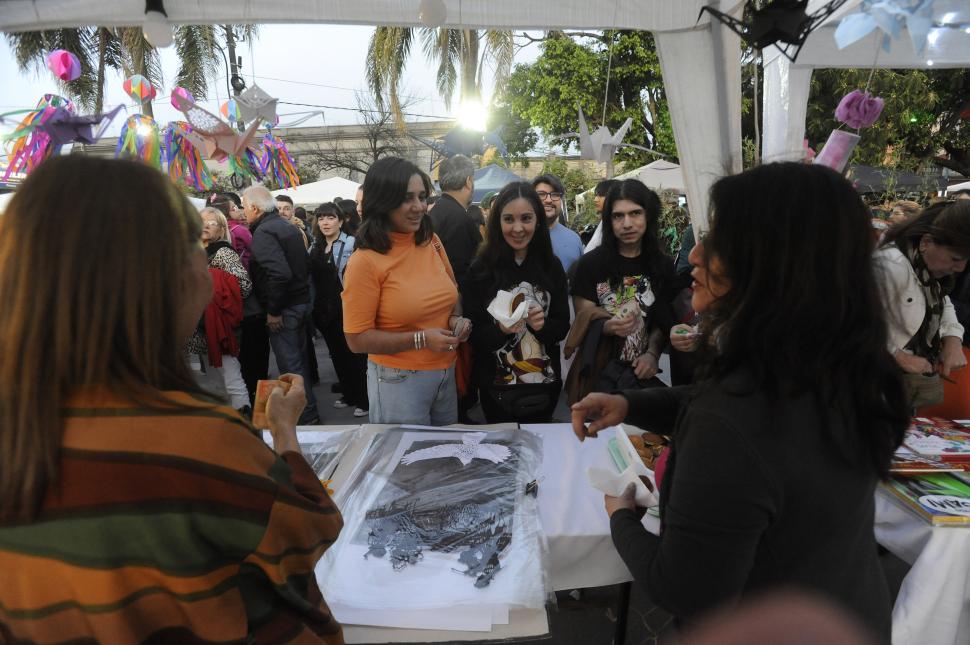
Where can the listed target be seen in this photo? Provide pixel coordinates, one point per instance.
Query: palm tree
(461, 56)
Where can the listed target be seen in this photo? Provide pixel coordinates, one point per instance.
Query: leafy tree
(572, 71)
(921, 117)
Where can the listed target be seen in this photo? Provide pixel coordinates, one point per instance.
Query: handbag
(922, 389)
(526, 401)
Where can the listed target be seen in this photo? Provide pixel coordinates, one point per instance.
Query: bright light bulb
(432, 13)
(472, 115)
(157, 29)
(929, 63)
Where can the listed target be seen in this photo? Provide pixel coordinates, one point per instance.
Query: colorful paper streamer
(185, 164)
(139, 139)
(31, 145)
(276, 162)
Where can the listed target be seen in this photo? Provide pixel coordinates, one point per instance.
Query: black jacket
(459, 234)
(278, 265)
(755, 498)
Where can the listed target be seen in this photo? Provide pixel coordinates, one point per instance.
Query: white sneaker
(340, 403)
(361, 413)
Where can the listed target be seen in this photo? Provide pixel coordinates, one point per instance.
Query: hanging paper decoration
(255, 103)
(859, 109)
(181, 93)
(246, 165)
(889, 16)
(277, 163)
(139, 139)
(139, 88)
(185, 164)
(64, 65)
(230, 110)
(32, 144)
(214, 138)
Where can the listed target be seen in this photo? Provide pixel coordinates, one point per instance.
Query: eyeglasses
(553, 196)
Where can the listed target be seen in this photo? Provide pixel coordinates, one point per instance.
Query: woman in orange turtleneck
(401, 303)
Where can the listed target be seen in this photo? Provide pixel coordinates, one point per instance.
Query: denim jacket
(343, 246)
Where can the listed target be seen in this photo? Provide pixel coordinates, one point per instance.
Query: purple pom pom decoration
(184, 93)
(859, 109)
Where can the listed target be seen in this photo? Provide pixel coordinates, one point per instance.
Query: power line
(357, 109)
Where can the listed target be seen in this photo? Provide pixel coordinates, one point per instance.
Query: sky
(318, 65)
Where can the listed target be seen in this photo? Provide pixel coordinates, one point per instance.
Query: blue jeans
(290, 347)
(419, 397)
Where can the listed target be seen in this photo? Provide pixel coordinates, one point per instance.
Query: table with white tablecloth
(933, 605)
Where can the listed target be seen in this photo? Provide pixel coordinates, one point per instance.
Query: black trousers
(254, 352)
(351, 368)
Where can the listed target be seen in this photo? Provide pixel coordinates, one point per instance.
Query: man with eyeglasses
(565, 242)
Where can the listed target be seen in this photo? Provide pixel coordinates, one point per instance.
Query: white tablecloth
(581, 552)
(933, 605)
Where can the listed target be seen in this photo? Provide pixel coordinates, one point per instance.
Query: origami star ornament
(783, 23)
(212, 136)
(256, 104)
(63, 127)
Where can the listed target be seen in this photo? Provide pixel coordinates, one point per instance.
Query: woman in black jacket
(779, 446)
(517, 366)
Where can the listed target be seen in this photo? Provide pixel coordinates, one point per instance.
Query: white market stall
(320, 192)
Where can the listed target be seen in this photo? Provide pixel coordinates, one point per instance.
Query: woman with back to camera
(401, 304)
(516, 368)
(329, 255)
(918, 263)
(779, 445)
(133, 506)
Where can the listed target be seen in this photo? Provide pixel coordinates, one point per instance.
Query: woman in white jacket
(918, 262)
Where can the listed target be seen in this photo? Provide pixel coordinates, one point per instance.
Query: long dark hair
(82, 322)
(651, 253)
(496, 257)
(948, 223)
(385, 187)
(804, 312)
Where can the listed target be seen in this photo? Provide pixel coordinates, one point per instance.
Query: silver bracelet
(416, 340)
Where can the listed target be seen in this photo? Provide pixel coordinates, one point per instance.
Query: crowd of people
(808, 348)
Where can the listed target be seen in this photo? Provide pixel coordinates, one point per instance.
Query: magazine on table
(940, 499)
(939, 439)
(907, 462)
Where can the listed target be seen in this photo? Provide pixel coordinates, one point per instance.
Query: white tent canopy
(699, 58)
(787, 85)
(320, 192)
(659, 175)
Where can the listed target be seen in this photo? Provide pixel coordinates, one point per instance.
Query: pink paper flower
(859, 109)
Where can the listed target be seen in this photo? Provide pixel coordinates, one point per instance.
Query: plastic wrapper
(440, 519)
(322, 450)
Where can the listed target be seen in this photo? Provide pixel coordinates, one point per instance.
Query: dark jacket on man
(458, 232)
(278, 266)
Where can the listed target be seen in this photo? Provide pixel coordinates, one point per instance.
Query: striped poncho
(176, 525)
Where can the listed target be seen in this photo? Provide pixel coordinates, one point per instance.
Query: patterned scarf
(927, 341)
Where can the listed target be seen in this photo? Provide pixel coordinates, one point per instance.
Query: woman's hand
(604, 409)
(684, 338)
(283, 411)
(951, 355)
(462, 329)
(912, 364)
(440, 340)
(645, 366)
(517, 328)
(620, 325)
(536, 318)
(625, 500)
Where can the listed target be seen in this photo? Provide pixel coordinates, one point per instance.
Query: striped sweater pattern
(171, 524)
